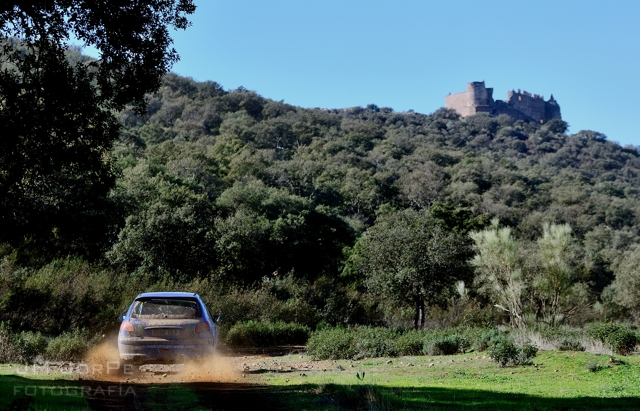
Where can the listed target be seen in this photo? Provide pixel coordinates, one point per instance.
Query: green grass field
(39, 393)
(558, 381)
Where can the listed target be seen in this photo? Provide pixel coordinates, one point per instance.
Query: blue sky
(408, 54)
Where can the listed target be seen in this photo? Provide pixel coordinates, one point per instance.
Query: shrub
(622, 341)
(8, 352)
(370, 342)
(570, 344)
(29, 345)
(483, 342)
(68, 346)
(74, 292)
(618, 338)
(331, 344)
(361, 342)
(503, 351)
(525, 354)
(601, 331)
(445, 345)
(562, 339)
(409, 342)
(266, 334)
(593, 366)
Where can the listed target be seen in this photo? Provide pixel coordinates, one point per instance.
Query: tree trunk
(416, 315)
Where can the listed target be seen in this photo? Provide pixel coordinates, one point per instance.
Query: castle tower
(476, 99)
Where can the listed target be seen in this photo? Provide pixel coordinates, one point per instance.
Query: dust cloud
(102, 363)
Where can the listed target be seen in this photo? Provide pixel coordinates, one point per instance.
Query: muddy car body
(167, 327)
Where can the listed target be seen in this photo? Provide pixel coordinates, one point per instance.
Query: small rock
(410, 365)
(431, 365)
(389, 362)
(164, 375)
(512, 372)
(555, 370)
(351, 366)
(243, 375)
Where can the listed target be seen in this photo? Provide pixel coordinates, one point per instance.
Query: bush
(601, 331)
(620, 339)
(331, 344)
(525, 354)
(68, 346)
(29, 345)
(503, 351)
(445, 345)
(562, 339)
(570, 344)
(483, 342)
(370, 342)
(409, 342)
(266, 334)
(593, 366)
(74, 292)
(360, 342)
(8, 352)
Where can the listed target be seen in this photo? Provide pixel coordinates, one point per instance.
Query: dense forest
(253, 201)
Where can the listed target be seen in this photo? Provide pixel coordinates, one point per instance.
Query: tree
(410, 257)
(557, 276)
(627, 282)
(499, 273)
(57, 115)
(171, 235)
(265, 230)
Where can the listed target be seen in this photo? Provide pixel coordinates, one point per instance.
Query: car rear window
(166, 308)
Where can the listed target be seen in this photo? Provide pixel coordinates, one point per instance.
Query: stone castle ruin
(519, 105)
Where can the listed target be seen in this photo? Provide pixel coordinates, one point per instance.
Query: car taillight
(202, 327)
(127, 326)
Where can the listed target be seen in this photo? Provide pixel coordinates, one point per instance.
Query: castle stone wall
(532, 106)
(461, 102)
(519, 105)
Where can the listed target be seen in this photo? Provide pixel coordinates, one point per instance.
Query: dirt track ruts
(109, 396)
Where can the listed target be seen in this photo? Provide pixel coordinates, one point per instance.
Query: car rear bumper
(141, 350)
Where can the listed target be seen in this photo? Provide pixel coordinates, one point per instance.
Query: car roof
(168, 294)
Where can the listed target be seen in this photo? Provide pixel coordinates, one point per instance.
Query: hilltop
(352, 162)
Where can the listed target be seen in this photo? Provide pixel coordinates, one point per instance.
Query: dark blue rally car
(167, 327)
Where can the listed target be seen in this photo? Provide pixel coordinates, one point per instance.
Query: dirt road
(229, 382)
(186, 396)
